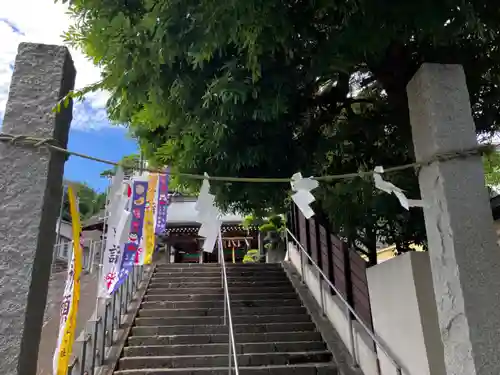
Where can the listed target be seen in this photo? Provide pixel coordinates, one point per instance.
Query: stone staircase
(179, 327)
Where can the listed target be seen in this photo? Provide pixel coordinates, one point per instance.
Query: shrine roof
(193, 228)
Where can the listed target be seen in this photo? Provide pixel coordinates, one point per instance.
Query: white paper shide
(390, 188)
(208, 217)
(303, 196)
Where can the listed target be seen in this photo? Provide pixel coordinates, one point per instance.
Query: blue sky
(91, 132)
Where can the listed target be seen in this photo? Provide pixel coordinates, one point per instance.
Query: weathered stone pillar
(30, 196)
(465, 259)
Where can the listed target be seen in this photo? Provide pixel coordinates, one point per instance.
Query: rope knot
(46, 141)
(15, 138)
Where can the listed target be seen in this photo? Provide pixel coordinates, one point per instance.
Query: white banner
(114, 254)
(118, 225)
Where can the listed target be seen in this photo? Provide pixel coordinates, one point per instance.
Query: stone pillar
(465, 259)
(30, 196)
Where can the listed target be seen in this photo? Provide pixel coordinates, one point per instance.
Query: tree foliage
(491, 165)
(129, 163)
(90, 202)
(268, 88)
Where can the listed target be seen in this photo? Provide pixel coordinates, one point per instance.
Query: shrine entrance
(186, 246)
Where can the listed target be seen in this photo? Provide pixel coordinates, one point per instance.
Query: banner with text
(118, 226)
(162, 202)
(71, 296)
(139, 191)
(119, 234)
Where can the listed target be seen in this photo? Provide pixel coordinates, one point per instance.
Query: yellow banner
(71, 297)
(149, 227)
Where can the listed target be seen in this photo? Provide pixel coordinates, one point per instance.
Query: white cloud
(42, 21)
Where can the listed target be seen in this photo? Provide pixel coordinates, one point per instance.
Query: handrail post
(105, 331)
(223, 277)
(127, 292)
(113, 318)
(351, 337)
(321, 294)
(120, 305)
(303, 276)
(83, 360)
(95, 349)
(132, 279)
(229, 361)
(221, 270)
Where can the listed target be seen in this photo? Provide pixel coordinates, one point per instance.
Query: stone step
(213, 320)
(298, 369)
(217, 278)
(220, 360)
(187, 273)
(190, 304)
(218, 329)
(254, 265)
(222, 348)
(277, 310)
(213, 273)
(199, 290)
(168, 265)
(216, 284)
(196, 266)
(229, 268)
(233, 290)
(218, 297)
(183, 297)
(223, 338)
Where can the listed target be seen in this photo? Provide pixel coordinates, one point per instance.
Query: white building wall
(404, 314)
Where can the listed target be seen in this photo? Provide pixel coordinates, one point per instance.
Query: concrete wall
(356, 340)
(65, 229)
(405, 315)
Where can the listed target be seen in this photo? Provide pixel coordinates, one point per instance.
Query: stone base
(275, 256)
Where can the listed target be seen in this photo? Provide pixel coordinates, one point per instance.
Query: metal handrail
(370, 333)
(228, 318)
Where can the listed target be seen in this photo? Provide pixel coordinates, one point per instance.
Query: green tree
(129, 163)
(491, 165)
(90, 202)
(266, 89)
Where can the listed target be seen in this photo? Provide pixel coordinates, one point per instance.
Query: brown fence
(344, 268)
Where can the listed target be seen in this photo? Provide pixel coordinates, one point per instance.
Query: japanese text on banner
(162, 205)
(132, 248)
(118, 225)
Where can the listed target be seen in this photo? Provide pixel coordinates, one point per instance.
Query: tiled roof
(193, 229)
(94, 220)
